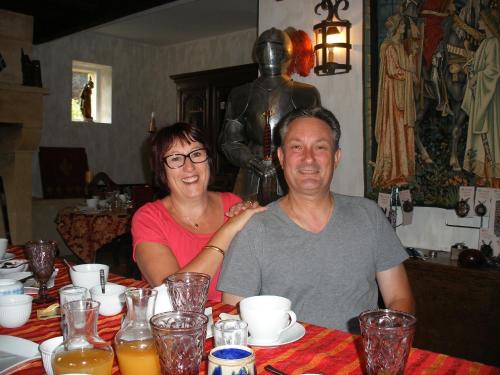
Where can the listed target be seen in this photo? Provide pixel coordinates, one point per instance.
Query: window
(100, 100)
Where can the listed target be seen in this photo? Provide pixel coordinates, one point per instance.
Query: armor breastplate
(278, 100)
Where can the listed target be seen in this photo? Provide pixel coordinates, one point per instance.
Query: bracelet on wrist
(218, 249)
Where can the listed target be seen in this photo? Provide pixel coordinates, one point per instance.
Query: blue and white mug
(230, 360)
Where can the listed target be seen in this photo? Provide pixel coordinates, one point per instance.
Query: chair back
(5, 214)
(141, 195)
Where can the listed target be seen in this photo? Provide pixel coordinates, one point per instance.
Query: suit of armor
(262, 103)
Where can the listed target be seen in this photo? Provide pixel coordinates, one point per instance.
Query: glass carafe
(83, 351)
(134, 343)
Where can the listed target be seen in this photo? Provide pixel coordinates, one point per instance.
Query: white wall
(343, 94)
(141, 84)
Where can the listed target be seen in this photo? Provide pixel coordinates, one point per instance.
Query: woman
(184, 231)
(482, 104)
(395, 122)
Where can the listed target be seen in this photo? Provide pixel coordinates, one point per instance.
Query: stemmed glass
(41, 255)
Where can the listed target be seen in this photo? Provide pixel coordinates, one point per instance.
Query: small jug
(83, 350)
(134, 344)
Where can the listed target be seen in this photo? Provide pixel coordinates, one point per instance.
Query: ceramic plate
(296, 332)
(17, 275)
(15, 351)
(8, 256)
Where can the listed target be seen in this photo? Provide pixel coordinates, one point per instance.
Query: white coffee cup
(163, 302)
(267, 317)
(3, 247)
(92, 202)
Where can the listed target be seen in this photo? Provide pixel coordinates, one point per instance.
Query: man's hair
(165, 138)
(319, 113)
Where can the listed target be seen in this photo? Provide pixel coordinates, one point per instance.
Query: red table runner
(321, 350)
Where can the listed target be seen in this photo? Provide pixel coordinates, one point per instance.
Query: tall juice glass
(83, 351)
(134, 342)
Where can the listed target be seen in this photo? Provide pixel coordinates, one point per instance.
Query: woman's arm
(209, 259)
(157, 261)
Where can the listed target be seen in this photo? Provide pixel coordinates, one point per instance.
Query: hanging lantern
(332, 36)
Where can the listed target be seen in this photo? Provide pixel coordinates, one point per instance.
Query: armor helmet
(272, 51)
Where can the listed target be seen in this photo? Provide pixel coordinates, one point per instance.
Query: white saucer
(296, 332)
(17, 275)
(8, 256)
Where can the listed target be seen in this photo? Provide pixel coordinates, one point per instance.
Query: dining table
(86, 230)
(320, 351)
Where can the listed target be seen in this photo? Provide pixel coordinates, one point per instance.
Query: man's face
(308, 156)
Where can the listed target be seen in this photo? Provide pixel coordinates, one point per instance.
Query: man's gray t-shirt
(328, 276)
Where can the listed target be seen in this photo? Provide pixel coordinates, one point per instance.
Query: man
(326, 252)
(253, 111)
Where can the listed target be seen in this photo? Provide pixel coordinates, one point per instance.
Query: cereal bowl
(10, 286)
(14, 265)
(15, 310)
(87, 275)
(46, 349)
(112, 300)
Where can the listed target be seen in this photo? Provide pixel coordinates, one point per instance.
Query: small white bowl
(10, 266)
(10, 286)
(112, 300)
(15, 310)
(87, 275)
(46, 349)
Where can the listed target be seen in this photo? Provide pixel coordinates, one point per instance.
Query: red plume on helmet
(302, 60)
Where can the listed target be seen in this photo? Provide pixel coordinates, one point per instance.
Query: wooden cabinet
(201, 100)
(458, 309)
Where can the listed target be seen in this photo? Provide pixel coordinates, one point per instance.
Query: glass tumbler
(67, 294)
(179, 339)
(387, 336)
(230, 332)
(188, 291)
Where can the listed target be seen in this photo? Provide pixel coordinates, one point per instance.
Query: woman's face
(191, 179)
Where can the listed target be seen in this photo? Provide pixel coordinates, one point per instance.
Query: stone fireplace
(21, 117)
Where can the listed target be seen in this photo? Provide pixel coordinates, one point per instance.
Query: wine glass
(41, 255)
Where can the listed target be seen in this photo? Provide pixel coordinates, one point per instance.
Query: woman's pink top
(153, 223)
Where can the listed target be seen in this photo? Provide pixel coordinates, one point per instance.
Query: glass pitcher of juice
(83, 351)
(134, 343)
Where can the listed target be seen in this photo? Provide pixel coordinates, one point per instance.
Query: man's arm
(395, 289)
(231, 299)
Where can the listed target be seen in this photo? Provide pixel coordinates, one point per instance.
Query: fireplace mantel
(21, 118)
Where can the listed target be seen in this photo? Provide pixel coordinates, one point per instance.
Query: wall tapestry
(432, 97)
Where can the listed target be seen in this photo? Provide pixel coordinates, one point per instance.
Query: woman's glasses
(177, 160)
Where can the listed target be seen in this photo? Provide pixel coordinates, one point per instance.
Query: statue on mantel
(85, 99)
(254, 109)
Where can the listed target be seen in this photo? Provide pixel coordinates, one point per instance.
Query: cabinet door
(201, 100)
(225, 172)
(194, 107)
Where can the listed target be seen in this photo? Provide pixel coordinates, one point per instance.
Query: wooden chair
(5, 214)
(62, 170)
